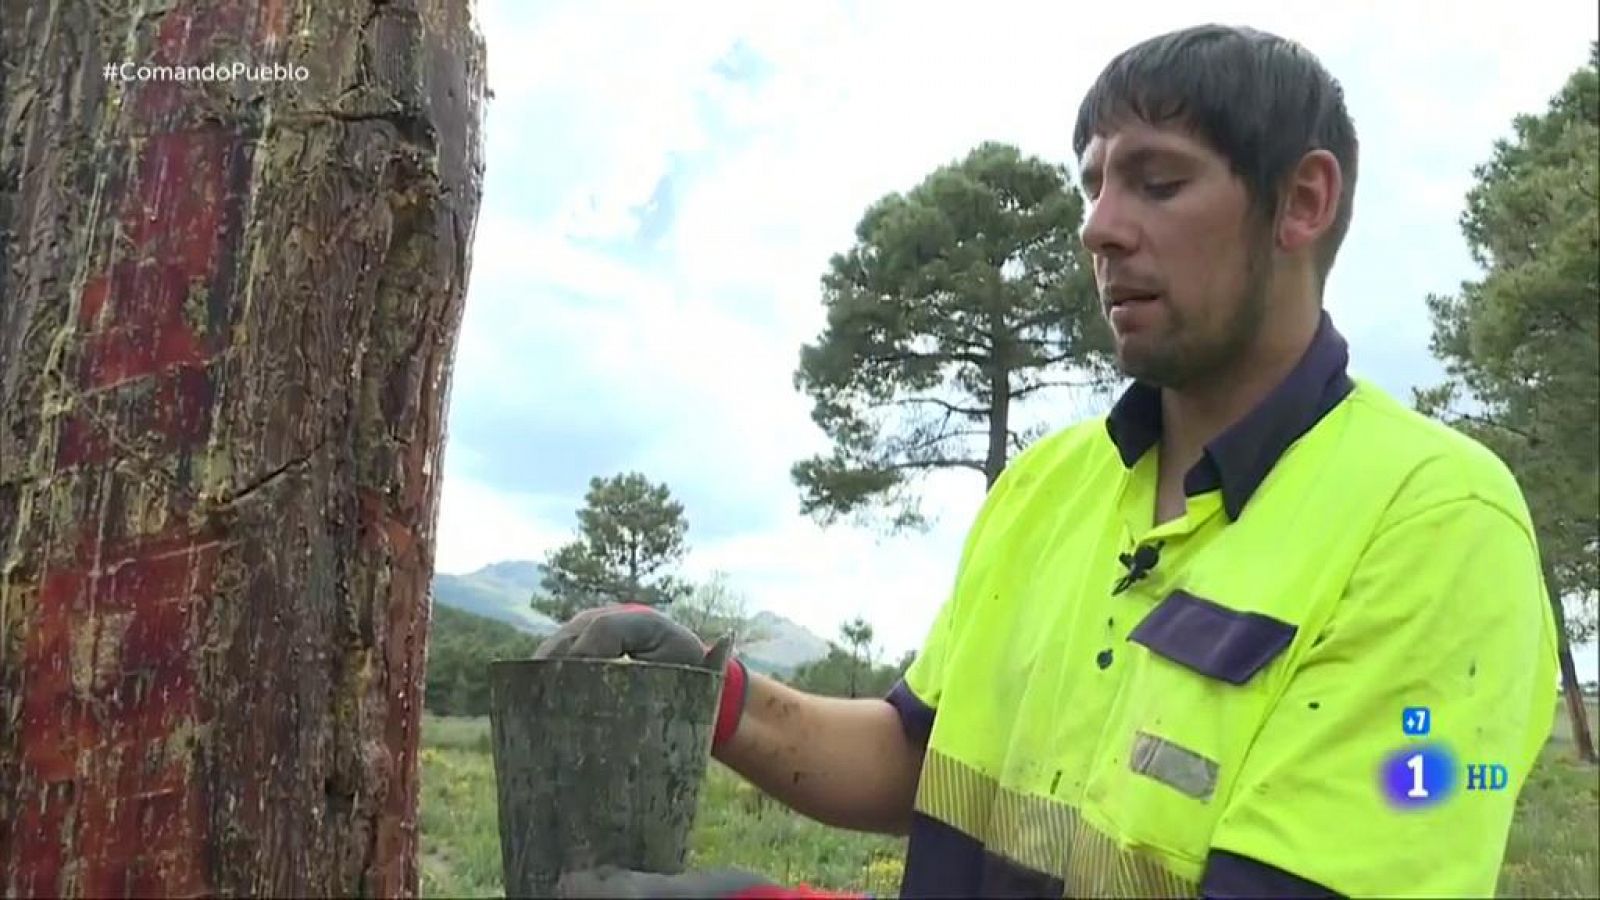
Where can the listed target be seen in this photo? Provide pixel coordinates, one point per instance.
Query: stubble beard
(1182, 358)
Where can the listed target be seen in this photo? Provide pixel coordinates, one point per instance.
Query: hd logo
(1426, 773)
(1487, 777)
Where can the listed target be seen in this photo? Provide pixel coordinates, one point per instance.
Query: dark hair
(1261, 101)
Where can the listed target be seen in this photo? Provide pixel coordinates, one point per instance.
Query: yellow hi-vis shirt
(1350, 611)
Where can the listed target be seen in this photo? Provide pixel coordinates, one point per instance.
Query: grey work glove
(635, 631)
(610, 881)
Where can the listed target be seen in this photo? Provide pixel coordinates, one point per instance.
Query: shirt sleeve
(1446, 610)
(916, 696)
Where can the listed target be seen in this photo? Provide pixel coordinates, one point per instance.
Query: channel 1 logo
(1426, 773)
(1420, 775)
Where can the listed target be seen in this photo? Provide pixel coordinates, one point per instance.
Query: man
(1183, 639)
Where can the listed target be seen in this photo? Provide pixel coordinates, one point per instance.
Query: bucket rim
(587, 661)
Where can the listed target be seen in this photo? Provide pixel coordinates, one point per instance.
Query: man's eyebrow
(1133, 161)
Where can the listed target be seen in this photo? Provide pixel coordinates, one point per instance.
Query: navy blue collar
(1239, 458)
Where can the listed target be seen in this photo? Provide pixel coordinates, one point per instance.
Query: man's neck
(1194, 416)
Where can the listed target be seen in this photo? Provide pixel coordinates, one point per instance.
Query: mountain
(781, 645)
(500, 591)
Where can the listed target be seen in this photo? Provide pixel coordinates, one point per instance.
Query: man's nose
(1107, 229)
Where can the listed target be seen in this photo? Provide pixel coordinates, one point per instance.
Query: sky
(665, 183)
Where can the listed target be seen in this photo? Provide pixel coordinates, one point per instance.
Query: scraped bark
(597, 763)
(227, 316)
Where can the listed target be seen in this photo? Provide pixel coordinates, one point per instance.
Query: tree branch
(972, 358)
(1040, 385)
(1062, 357)
(974, 343)
(1038, 319)
(934, 464)
(929, 442)
(945, 405)
(1532, 439)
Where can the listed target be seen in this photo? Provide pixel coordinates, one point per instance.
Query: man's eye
(1161, 190)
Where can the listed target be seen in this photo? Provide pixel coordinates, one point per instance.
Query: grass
(741, 827)
(460, 824)
(1554, 849)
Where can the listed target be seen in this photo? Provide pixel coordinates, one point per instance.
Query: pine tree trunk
(227, 315)
(996, 457)
(1571, 690)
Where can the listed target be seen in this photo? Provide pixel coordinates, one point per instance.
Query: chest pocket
(1183, 719)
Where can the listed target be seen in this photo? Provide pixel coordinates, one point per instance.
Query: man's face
(1181, 263)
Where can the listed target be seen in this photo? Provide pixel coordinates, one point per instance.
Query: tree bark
(996, 458)
(597, 763)
(227, 315)
(1571, 690)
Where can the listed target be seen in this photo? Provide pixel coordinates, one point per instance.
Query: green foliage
(460, 648)
(1520, 344)
(958, 300)
(714, 609)
(630, 535)
(857, 635)
(846, 673)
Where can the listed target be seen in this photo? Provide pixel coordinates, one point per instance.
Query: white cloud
(821, 577)
(698, 337)
(480, 524)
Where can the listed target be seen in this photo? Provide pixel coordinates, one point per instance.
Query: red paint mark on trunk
(168, 874)
(92, 301)
(41, 840)
(183, 407)
(173, 221)
(48, 740)
(49, 711)
(181, 180)
(80, 441)
(177, 416)
(187, 37)
(394, 851)
(178, 214)
(111, 697)
(158, 574)
(271, 18)
(113, 682)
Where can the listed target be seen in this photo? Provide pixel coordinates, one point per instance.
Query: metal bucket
(597, 763)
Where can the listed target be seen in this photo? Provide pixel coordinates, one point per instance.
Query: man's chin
(1141, 365)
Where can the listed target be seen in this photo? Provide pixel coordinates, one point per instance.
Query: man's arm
(844, 762)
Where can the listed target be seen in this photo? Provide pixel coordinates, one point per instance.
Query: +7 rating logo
(1416, 720)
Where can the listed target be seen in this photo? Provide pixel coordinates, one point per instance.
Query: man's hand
(634, 631)
(641, 633)
(723, 884)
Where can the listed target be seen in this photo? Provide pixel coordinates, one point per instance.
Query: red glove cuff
(774, 892)
(735, 684)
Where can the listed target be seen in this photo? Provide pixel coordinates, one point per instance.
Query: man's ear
(1310, 201)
